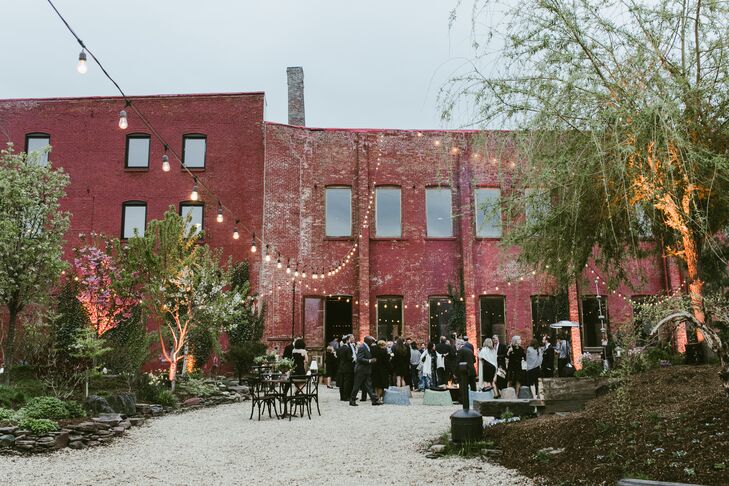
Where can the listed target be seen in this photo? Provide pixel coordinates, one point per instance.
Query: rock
(508, 393)
(76, 444)
(7, 430)
(24, 444)
(20, 432)
(62, 440)
(525, 393)
(437, 449)
(123, 403)
(85, 427)
(124, 424)
(103, 433)
(136, 421)
(551, 450)
(7, 440)
(46, 442)
(76, 437)
(107, 420)
(492, 452)
(144, 409)
(240, 389)
(118, 431)
(96, 405)
(93, 443)
(156, 410)
(191, 402)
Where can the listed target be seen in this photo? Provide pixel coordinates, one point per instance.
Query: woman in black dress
(331, 366)
(514, 356)
(299, 356)
(380, 368)
(400, 362)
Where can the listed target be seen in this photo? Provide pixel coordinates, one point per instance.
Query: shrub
(11, 397)
(196, 387)
(75, 410)
(592, 366)
(45, 408)
(242, 355)
(38, 426)
(6, 414)
(166, 398)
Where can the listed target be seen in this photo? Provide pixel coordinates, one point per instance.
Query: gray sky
(378, 63)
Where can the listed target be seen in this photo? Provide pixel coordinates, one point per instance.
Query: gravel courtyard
(363, 445)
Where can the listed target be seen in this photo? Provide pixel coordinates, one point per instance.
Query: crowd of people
(369, 367)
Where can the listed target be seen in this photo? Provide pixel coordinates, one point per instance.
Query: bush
(591, 366)
(6, 414)
(243, 354)
(130, 344)
(166, 398)
(11, 397)
(45, 408)
(196, 387)
(75, 410)
(38, 426)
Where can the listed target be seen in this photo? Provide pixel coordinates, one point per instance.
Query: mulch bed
(668, 424)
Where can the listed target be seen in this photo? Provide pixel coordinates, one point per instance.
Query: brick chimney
(295, 76)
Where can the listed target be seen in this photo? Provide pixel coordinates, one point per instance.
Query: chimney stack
(295, 76)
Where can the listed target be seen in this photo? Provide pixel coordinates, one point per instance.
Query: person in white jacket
(487, 367)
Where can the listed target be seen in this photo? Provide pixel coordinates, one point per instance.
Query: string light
(267, 257)
(123, 123)
(194, 195)
(236, 235)
(165, 163)
(219, 219)
(253, 243)
(278, 261)
(82, 67)
(288, 268)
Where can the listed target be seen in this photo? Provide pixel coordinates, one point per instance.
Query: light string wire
(128, 101)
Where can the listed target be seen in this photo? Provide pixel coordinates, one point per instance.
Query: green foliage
(32, 227)
(196, 387)
(167, 399)
(6, 414)
(11, 397)
(204, 342)
(71, 317)
(129, 344)
(74, 409)
(591, 367)
(247, 324)
(38, 426)
(45, 408)
(285, 365)
(243, 354)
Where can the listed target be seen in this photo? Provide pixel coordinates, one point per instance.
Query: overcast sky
(378, 63)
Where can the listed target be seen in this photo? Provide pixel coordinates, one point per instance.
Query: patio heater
(466, 424)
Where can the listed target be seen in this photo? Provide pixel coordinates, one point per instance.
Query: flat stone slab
(393, 397)
(437, 398)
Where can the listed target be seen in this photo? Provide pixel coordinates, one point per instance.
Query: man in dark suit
(443, 353)
(363, 372)
(467, 344)
(346, 356)
(465, 355)
(547, 358)
(288, 351)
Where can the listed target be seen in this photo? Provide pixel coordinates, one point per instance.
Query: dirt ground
(669, 424)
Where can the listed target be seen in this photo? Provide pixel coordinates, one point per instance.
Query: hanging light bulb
(219, 219)
(236, 235)
(194, 195)
(278, 261)
(303, 273)
(288, 267)
(314, 275)
(296, 272)
(268, 257)
(165, 163)
(82, 67)
(123, 124)
(253, 243)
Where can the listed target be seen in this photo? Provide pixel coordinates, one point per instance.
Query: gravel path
(363, 445)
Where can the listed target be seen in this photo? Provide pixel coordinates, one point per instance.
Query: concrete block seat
(395, 397)
(474, 396)
(437, 398)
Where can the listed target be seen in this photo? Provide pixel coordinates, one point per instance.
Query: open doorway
(337, 317)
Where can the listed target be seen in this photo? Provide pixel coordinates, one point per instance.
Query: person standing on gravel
(345, 378)
(363, 372)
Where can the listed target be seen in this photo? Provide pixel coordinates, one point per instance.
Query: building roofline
(136, 97)
(381, 130)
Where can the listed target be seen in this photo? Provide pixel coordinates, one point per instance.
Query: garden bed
(669, 424)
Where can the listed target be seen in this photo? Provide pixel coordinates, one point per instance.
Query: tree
(31, 235)
(182, 281)
(619, 111)
(101, 286)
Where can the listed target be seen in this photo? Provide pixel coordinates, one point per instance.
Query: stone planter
(570, 394)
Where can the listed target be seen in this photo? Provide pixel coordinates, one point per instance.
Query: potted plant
(285, 365)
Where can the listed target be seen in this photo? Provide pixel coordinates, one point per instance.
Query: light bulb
(296, 272)
(219, 219)
(123, 124)
(82, 67)
(314, 276)
(268, 257)
(236, 235)
(278, 262)
(288, 269)
(253, 243)
(194, 195)
(303, 274)
(165, 163)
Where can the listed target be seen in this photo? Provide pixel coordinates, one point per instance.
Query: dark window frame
(138, 135)
(126, 204)
(481, 299)
(32, 135)
(194, 136)
(188, 203)
(401, 300)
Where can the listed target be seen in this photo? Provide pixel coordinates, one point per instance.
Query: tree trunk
(10, 342)
(173, 371)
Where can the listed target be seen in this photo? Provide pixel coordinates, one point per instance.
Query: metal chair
(312, 392)
(263, 397)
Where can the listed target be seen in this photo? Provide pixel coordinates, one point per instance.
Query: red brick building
(407, 206)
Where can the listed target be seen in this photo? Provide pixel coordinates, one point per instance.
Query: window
(134, 219)
(195, 213)
(389, 317)
(438, 211)
(137, 151)
(488, 212)
(338, 211)
(493, 320)
(37, 142)
(441, 311)
(387, 213)
(537, 205)
(594, 319)
(193, 151)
